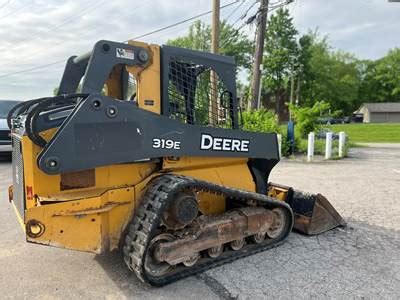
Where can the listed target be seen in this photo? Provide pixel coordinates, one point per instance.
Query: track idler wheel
(278, 225)
(155, 267)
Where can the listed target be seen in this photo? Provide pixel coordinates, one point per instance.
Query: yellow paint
(91, 224)
(276, 192)
(113, 83)
(94, 220)
(148, 78)
(210, 204)
(231, 172)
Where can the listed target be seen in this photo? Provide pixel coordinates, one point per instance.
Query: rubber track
(148, 217)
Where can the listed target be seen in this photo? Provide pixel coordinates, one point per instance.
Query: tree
(381, 79)
(330, 76)
(232, 42)
(303, 68)
(280, 55)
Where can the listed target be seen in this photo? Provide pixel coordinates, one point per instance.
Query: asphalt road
(360, 261)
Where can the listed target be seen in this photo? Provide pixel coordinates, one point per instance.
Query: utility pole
(258, 53)
(213, 109)
(298, 87)
(291, 92)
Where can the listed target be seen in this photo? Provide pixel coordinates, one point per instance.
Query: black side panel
(102, 131)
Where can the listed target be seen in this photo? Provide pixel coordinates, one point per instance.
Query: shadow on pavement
(332, 260)
(132, 287)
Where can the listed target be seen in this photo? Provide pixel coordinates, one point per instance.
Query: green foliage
(232, 42)
(381, 79)
(330, 76)
(260, 120)
(263, 120)
(307, 117)
(280, 52)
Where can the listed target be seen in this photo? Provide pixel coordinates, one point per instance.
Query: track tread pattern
(148, 217)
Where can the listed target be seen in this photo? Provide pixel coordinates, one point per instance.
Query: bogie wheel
(258, 238)
(237, 244)
(192, 260)
(214, 252)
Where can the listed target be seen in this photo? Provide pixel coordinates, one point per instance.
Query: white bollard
(310, 147)
(328, 146)
(342, 141)
(279, 137)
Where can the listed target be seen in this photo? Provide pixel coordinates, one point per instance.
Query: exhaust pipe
(313, 214)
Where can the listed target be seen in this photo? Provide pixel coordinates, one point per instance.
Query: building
(388, 112)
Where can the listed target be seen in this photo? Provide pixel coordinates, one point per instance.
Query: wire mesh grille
(197, 98)
(18, 176)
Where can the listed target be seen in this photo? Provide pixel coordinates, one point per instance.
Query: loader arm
(102, 131)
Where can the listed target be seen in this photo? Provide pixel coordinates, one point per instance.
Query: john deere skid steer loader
(149, 157)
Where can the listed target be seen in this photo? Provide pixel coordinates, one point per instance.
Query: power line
(5, 4)
(81, 34)
(134, 38)
(234, 10)
(237, 30)
(13, 12)
(33, 68)
(247, 11)
(275, 6)
(88, 8)
(178, 23)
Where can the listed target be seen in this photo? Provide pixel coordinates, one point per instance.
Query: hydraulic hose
(45, 105)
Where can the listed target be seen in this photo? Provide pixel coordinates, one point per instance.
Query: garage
(380, 112)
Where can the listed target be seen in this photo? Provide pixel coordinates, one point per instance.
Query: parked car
(5, 133)
(322, 134)
(347, 120)
(332, 120)
(357, 118)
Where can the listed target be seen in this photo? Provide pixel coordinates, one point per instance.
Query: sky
(46, 32)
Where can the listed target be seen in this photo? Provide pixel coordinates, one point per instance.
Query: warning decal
(125, 53)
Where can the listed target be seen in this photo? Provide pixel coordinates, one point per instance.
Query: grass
(357, 133)
(319, 147)
(370, 133)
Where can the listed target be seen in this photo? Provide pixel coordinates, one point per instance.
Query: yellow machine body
(93, 219)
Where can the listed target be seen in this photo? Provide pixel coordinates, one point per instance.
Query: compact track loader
(149, 158)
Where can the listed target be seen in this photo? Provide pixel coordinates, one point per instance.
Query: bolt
(143, 56)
